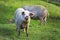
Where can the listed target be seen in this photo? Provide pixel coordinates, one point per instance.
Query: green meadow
(36, 31)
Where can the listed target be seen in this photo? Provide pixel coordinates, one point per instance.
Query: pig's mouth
(26, 18)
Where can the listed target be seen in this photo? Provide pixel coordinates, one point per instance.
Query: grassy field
(36, 31)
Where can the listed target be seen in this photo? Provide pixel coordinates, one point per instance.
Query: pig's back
(38, 10)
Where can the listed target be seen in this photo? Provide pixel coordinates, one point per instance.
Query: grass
(53, 2)
(36, 31)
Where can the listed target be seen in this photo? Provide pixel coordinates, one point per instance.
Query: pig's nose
(26, 17)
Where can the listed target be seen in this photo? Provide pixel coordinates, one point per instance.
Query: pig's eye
(23, 13)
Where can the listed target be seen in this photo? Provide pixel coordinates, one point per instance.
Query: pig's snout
(26, 17)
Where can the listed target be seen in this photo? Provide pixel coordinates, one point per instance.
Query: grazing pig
(39, 11)
(22, 19)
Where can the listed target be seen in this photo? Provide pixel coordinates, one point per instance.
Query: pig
(22, 20)
(40, 12)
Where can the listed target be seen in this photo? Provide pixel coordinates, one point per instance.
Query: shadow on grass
(6, 32)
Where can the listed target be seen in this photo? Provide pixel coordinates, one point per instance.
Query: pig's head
(27, 14)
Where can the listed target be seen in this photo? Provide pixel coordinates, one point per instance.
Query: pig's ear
(31, 14)
(23, 13)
